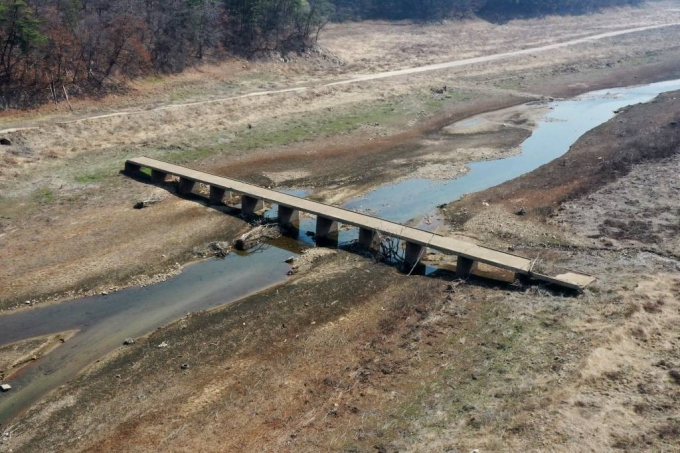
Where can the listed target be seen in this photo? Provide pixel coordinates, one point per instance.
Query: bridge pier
(158, 176)
(186, 186)
(412, 254)
(132, 169)
(368, 239)
(217, 194)
(250, 205)
(326, 231)
(289, 220)
(465, 266)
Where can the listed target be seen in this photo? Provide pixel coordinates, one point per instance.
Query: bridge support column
(250, 205)
(186, 186)
(412, 254)
(217, 194)
(326, 231)
(465, 266)
(132, 169)
(158, 176)
(289, 220)
(368, 239)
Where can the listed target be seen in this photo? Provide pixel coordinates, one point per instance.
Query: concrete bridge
(370, 228)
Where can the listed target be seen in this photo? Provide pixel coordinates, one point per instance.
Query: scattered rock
(521, 211)
(5, 387)
(146, 203)
(290, 260)
(128, 341)
(185, 366)
(220, 249)
(5, 142)
(256, 235)
(163, 345)
(675, 376)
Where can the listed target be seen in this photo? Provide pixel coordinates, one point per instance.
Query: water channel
(103, 322)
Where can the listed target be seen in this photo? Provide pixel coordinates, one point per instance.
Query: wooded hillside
(48, 47)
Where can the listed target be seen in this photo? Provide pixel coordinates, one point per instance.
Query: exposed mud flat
(640, 210)
(352, 356)
(638, 133)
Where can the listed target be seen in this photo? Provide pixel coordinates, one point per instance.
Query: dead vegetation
(352, 356)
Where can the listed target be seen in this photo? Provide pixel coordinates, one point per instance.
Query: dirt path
(368, 77)
(489, 58)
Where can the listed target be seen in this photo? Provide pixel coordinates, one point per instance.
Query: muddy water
(566, 122)
(104, 322)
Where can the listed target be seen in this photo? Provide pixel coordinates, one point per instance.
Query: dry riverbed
(354, 356)
(351, 355)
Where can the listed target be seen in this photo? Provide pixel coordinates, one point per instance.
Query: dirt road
(367, 77)
(490, 58)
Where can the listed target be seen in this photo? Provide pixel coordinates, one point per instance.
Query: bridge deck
(444, 244)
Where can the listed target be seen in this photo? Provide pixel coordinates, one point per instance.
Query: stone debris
(128, 341)
(163, 345)
(5, 387)
(256, 236)
(218, 249)
(146, 203)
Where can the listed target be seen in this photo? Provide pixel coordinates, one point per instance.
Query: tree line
(440, 9)
(49, 48)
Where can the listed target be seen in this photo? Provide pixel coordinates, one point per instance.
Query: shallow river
(105, 321)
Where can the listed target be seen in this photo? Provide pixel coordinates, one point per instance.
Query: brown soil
(351, 355)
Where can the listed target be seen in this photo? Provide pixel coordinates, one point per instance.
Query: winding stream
(105, 321)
